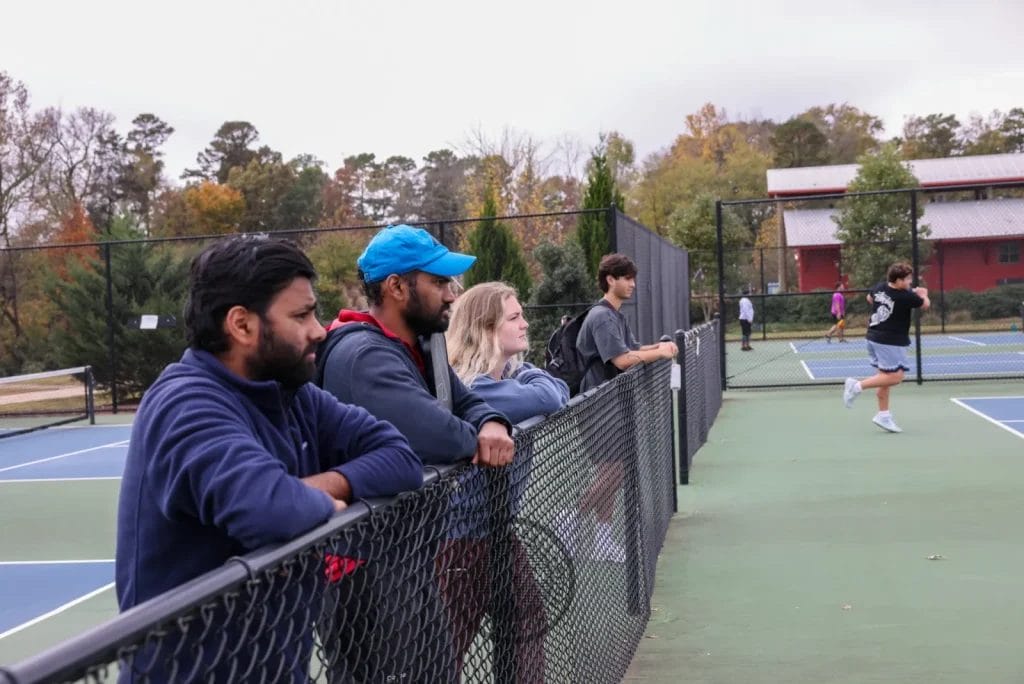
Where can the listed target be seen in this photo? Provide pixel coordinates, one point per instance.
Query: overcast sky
(342, 77)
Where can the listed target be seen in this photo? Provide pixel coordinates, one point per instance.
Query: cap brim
(450, 264)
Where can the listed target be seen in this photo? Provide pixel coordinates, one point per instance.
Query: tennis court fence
(483, 575)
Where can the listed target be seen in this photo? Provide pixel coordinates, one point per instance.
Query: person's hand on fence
(668, 350)
(494, 447)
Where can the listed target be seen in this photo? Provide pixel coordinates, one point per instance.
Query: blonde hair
(473, 331)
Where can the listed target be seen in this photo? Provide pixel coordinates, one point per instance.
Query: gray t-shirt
(604, 334)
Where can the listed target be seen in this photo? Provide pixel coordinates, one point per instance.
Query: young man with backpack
(607, 348)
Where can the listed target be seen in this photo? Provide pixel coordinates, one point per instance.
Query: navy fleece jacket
(364, 366)
(213, 471)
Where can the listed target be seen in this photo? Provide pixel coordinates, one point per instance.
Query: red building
(976, 244)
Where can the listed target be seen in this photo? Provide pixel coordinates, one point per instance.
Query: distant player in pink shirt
(838, 311)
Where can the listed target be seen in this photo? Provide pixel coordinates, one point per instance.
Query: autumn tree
(334, 256)
(206, 208)
(694, 227)
(933, 136)
(564, 281)
(498, 254)
(27, 141)
(147, 279)
(797, 143)
(876, 230)
(443, 180)
(850, 131)
(231, 147)
(143, 166)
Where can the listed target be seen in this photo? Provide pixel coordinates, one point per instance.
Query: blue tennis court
(964, 341)
(1006, 412)
(935, 366)
(45, 571)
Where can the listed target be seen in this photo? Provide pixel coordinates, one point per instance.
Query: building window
(1009, 253)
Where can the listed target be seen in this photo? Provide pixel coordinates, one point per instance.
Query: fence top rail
(868, 193)
(291, 231)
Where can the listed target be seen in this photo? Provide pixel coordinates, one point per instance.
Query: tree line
(77, 176)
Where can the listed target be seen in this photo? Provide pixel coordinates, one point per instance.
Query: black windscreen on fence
(540, 571)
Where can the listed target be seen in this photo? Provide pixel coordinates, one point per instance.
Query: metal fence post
(916, 256)
(110, 327)
(721, 284)
(609, 218)
(682, 433)
(764, 302)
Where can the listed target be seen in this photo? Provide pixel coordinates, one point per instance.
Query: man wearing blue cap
(380, 360)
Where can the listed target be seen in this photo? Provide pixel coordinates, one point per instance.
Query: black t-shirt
(890, 315)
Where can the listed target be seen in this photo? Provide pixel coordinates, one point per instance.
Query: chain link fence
(116, 305)
(484, 575)
(965, 245)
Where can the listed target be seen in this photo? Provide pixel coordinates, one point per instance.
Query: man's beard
(420, 320)
(279, 361)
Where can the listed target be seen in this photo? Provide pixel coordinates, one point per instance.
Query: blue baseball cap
(401, 249)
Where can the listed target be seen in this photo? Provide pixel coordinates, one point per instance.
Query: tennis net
(40, 400)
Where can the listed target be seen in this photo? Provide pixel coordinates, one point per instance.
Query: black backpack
(563, 359)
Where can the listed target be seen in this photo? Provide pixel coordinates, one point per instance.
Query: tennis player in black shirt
(888, 337)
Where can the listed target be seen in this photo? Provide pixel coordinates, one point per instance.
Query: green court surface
(813, 547)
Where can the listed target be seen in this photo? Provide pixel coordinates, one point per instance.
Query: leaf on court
(936, 557)
(847, 606)
(651, 636)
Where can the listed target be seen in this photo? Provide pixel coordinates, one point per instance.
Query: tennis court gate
(964, 243)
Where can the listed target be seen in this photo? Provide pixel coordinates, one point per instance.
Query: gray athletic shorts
(888, 358)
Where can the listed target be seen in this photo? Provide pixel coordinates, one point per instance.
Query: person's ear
(396, 287)
(242, 327)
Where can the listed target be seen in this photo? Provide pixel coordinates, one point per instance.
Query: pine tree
(498, 254)
(592, 229)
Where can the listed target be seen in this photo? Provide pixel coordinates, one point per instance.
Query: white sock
(884, 414)
(857, 388)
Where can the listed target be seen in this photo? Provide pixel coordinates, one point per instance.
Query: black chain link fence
(541, 571)
(700, 389)
(964, 242)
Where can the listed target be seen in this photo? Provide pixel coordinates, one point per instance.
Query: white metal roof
(983, 219)
(987, 168)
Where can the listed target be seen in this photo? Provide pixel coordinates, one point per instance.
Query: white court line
(59, 479)
(56, 611)
(1014, 421)
(793, 347)
(57, 562)
(1000, 398)
(807, 369)
(123, 442)
(964, 339)
(986, 417)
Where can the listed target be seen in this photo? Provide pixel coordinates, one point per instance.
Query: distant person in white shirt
(746, 319)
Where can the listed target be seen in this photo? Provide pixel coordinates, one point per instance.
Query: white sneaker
(609, 551)
(850, 392)
(566, 526)
(886, 423)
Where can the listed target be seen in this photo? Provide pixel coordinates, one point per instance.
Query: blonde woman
(486, 340)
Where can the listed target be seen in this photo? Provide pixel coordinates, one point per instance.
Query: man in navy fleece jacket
(232, 448)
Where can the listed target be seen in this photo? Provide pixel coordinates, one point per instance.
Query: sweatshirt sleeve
(530, 393)
(372, 454)
(376, 377)
(208, 465)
